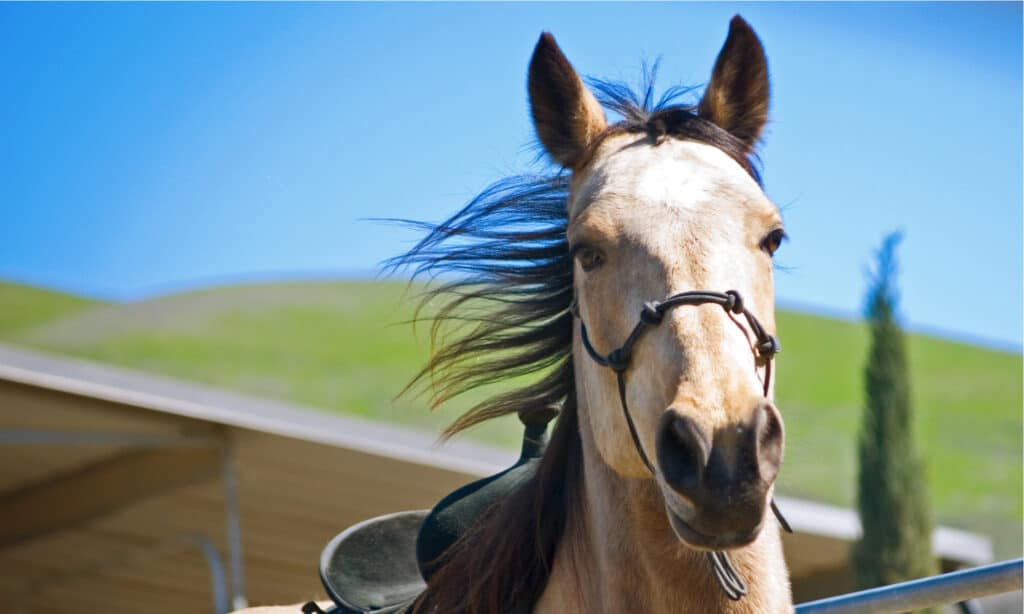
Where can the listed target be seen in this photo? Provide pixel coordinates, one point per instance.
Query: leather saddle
(381, 565)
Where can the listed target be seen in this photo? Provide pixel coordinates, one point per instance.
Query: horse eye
(773, 241)
(588, 257)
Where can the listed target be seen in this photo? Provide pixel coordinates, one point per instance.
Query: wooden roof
(110, 525)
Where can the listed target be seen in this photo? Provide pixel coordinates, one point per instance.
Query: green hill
(22, 306)
(343, 347)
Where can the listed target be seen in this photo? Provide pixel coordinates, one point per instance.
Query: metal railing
(954, 587)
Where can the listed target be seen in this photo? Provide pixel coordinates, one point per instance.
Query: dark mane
(504, 314)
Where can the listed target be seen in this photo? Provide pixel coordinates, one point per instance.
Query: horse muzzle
(717, 488)
(726, 540)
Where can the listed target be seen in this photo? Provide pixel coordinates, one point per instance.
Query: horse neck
(619, 553)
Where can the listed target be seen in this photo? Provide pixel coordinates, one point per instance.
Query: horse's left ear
(737, 96)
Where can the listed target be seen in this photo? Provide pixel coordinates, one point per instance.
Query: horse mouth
(700, 541)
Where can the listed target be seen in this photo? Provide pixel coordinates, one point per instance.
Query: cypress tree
(891, 497)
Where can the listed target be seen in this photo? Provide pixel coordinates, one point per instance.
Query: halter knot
(769, 346)
(652, 313)
(618, 360)
(735, 303)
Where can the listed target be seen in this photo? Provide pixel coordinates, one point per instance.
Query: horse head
(667, 201)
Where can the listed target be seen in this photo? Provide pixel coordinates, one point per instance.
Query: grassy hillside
(967, 403)
(342, 347)
(22, 306)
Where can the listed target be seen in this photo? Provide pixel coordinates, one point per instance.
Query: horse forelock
(669, 117)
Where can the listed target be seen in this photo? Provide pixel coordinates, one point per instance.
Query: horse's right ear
(566, 115)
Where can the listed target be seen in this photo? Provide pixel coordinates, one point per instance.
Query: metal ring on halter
(766, 347)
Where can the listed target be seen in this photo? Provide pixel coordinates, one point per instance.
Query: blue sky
(150, 148)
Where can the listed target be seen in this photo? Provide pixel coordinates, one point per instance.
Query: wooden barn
(124, 492)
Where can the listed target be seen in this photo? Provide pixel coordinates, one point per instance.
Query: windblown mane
(505, 313)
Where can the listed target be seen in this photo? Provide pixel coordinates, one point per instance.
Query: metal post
(954, 587)
(213, 562)
(234, 528)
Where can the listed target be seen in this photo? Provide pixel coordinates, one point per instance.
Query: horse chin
(696, 540)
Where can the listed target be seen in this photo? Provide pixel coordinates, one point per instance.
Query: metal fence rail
(952, 587)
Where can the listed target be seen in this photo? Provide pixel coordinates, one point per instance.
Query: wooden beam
(85, 494)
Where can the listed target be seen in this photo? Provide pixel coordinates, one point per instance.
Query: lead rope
(618, 361)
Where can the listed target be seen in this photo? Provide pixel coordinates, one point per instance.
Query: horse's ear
(566, 115)
(737, 96)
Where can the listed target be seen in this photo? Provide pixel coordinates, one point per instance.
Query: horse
(626, 284)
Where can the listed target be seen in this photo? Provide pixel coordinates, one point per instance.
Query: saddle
(381, 565)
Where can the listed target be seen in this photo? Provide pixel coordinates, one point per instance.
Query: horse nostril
(682, 453)
(770, 439)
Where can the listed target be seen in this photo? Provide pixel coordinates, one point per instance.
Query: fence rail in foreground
(947, 588)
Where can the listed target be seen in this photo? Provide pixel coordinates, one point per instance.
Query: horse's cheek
(607, 429)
